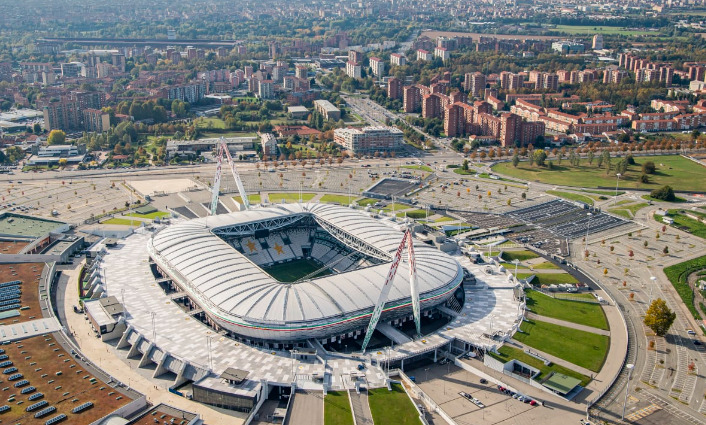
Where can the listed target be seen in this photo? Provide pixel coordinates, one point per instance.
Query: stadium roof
(231, 286)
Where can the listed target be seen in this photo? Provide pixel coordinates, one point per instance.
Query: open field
(337, 199)
(289, 197)
(680, 173)
(476, 35)
(519, 255)
(570, 311)
(581, 348)
(571, 196)
(253, 199)
(507, 353)
(415, 214)
(392, 407)
(337, 409)
(590, 30)
(548, 278)
(678, 275)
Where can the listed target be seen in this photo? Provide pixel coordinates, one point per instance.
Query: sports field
(680, 173)
(295, 270)
(590, 29)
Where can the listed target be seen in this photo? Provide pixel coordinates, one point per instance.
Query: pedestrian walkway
(553, 359)
(567, 324)
(361, 407)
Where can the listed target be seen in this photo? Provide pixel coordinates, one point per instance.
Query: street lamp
(515, 262)
(617, 181)
(654, 282)
(630, 367)
(588, 225)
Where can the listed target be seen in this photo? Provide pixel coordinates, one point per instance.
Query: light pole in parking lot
(515, 262)
(585, 240)
(630, 367)
(617, 182)
(652, 287)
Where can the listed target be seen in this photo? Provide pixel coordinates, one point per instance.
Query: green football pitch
(294, 270)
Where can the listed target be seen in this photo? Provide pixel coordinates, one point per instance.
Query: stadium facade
(222, 263)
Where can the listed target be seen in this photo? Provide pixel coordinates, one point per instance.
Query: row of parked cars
(517, 396)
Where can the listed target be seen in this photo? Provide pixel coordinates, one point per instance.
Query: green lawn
(581, 348)
(677, 199)
(253, 199)
(548, 278)
(415, 214)
(519, 255)
(337, 408)
(591, 29)
(418, 167)
(570, 311)
(507, 353)
(215, 123)
(289, 197)
(338, 199)
(392, 407)
(214, 134)
(151, 215)
(678, 274)
(627, 211)
(444, 219)
(397, 206)
(547, 265)
(604, 192)
(571, 196)
(123, 222)
(680, 173)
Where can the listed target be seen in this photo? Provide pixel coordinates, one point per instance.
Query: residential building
(442, 52)
(268, 143)
(394, 88)
(474, 83)
(355, 56)
(398, 59)
(423, 55)
(191, 93)
(597, 42)
(300, 71)
(378, 67)
(326, 108)
(95, 120)
(353, 69)
(369, 140)
(266, 89)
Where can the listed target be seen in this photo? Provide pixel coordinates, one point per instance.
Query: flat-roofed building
(326, 108)
(369, 140)
(378, 67)
(398, 59)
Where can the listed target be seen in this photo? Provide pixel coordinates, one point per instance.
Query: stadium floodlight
(407, 241)
(223, 148)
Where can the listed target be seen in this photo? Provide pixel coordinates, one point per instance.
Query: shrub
(644, 179)
(664, 193)
(649, 167)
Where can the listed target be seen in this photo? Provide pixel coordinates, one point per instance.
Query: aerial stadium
(293, 272)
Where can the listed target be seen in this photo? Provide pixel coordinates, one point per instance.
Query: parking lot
(444, 383)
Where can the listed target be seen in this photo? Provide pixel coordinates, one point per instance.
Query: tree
(539, 157)
(664, 193)
(465, 165)
(515, 160)
(37, 128)
(666, 250)
(56, 137)
(659, 317)
(649, 167)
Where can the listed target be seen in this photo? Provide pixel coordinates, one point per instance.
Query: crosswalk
(634, 417)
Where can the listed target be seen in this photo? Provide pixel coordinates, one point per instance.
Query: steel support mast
(407, 241)
(223, 148)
